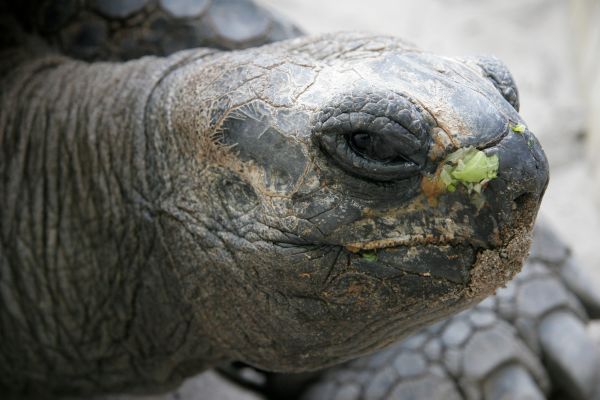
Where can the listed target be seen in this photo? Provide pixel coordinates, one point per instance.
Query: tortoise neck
(84, 277)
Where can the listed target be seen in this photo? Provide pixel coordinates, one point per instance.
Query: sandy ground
(535, 39)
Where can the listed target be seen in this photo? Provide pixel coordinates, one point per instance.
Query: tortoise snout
(523, 175)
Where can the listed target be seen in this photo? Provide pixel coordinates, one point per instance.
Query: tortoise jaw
(454, 257)
(406, 241)
(449, 262)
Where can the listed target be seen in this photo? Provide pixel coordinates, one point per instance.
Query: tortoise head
(344, 191)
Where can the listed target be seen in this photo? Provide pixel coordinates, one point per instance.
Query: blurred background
(552, 48)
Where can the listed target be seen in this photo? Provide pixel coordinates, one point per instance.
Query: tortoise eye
(384, 139)
(361, 142)
(391, 147)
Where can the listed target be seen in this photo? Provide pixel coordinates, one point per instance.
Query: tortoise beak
(522, 179)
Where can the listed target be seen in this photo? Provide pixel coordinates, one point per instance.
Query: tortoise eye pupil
(361, 141)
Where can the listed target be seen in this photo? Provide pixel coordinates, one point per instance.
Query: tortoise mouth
(447, 261)
(453, 258)
(396, 242)
(520, 213)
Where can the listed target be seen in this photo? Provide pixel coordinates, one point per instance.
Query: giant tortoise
(167, 206)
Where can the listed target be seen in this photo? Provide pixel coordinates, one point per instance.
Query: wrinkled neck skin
(138, 246)
(91, 295)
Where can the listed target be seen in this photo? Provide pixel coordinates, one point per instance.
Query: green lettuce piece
(518, 128)
(369, 256)
(475, 167)
(446, 177)
(459, 154)
(470, 167)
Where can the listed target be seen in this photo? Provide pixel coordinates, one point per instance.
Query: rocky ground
(538, 39)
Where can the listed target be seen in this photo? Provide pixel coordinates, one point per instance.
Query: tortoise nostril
(522, 199)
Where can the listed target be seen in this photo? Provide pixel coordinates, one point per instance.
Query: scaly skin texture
(126, 29)
(164, 215)
(526, 342)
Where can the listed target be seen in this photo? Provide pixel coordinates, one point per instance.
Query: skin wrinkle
(37, 283)
(193, 57)
(16, 185)
(328, 278)
(363, 115)
(264, 290)
(49, 185)
(71, 287)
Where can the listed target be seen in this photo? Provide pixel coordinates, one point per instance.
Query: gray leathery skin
(140, 220)
(528, 341)
(77, 232)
